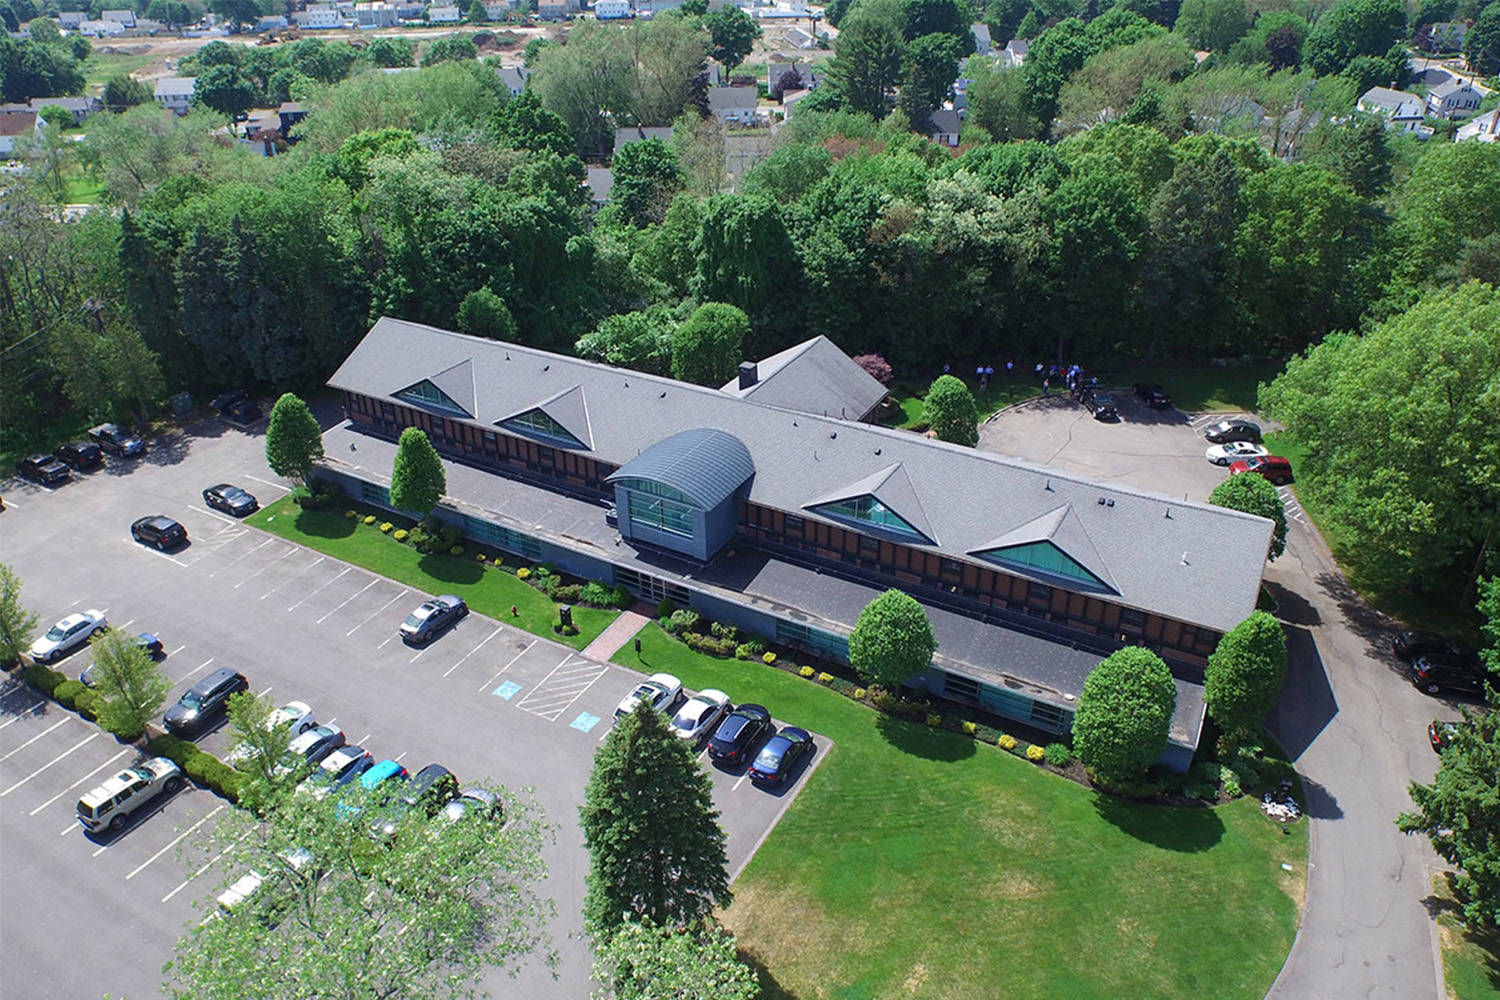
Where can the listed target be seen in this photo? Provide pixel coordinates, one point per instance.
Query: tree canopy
(892, 640)
(952, 412)
(1244, 675)
(417, 477)
(1255, 495)
(706, 348)
(131, 685)
(16, 622)
(642, 961)
(1124, 715)
(294, 441)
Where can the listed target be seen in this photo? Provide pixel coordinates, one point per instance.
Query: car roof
(380, 772)
(795, 733)
(450, 599)
(161, 521)
(751, 708)
(430, 773)
(214, 679)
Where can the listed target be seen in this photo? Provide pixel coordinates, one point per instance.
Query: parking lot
(1160, 451)
(87, 915)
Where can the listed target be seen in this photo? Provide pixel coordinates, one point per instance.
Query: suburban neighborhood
(750, 499)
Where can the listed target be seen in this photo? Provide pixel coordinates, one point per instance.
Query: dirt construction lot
(85, 915)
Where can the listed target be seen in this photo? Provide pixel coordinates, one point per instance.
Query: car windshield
(416, 618)
(56, 632)
(191, 699)
(770, 757)
(689, 715)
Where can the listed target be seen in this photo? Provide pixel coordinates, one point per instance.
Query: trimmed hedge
(43, 678)
(67, 693)
(203, 768)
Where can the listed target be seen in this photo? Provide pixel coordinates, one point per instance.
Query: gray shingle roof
(813, 377)
(703, 464)
(1188, 561)
(175, 86)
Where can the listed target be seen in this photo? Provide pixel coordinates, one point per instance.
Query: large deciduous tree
(259, 744)
(867, 57)
(131, 684)
(642, 961)
(734, 34)
(1124, 715)
(641, 340)
(656, 850)
(1402, 445)
(1244, 675)
(647, 177)
(1214, 25)
(426, 916)
(745, 257)
(1354, 28)
(1460, 811)
(223, 89)
(892, 640)
(16, 623)
(294, 441)
(706, 348)
(485, 314)
(952, 412)
(1255, 495)
(417, 476)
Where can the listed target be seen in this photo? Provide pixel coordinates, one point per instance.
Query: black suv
(203, 699)
(1436, 672)
(117, 442)
(1100, 404)
(1153, 395)
(79, 454)
(1226, 431)
(43, 469)
(428, 792)
(237, 405)
(159, 530)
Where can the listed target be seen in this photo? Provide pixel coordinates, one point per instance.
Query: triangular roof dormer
(450, 390)
(1055, 545)
(884, 501)
(560, 419)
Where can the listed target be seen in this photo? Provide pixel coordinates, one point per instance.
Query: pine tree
(417, 478)
(656, 850)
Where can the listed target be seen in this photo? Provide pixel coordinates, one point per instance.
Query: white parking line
(361, 741)
(80, 781)
(211, 862)
(190, 673)
(175, 841)
(242, 555)
(298, 576)
(743, 778)
(398, 758)
(212, 513)
(75, 825)
(347, 569)
(471, 652)
(347, 600)
(387, 640)
(262, 694)
(424, 649)
(127, 624)
(178, 650)
(44, 732)
(83, 742)
(20, 716)
(252, 576)
(486, 685)
(171, 559)
(550, 700)
(267, 482)
(382, 608)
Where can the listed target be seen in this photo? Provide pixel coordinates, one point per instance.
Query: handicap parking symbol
(507, 690)
(585, 722)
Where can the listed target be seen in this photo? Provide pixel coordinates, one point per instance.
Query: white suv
(113, 802)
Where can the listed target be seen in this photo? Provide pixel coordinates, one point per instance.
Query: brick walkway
(620, 631)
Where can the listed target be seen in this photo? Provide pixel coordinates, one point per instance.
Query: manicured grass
(1471, 961)
(919, 863)
(908, 411)
(1202, 390)
(81, 189)
(100, 67)
(488, 591)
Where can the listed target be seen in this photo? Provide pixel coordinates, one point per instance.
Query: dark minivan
(79, 454)
(203, 699)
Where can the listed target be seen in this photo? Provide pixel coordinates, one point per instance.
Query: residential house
(16, 127)
(125, 17)
(409, 10)
(982, 41)
(796, 38)
(945, 129)
(318, 17)
(599, 181)
(175, 93)
(71, 19)
(1013, 56)
(787, 520)
(552, 10)
(734, 104)
(611, 10)
(1455, 98)
(625, 136)
(101, 29)
(514, 78)
(802, 77)
(1402, 111)
(370, 16)
(289, 116)
(1484, 128)
(444, 15)
(1443, 36)
(497, 10)
(79, 107)
(271, 22)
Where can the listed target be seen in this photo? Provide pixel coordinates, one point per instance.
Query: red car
(1278, 470)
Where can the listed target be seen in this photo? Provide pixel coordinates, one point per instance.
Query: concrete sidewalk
(620, 631)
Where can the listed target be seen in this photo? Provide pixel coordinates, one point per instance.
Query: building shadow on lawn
(1306, 704)
(924, 741)
(451, 569)
(1186, 830)
(325, 523)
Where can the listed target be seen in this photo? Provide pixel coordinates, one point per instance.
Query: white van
(113, 802)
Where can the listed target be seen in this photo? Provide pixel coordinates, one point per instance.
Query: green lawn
(100, 67)
(81, 189)
(1203, 390)
(1471, 961)
(908, 411)
(918, 863)
(489, 591)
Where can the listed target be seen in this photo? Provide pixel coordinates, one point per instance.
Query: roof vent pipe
(748, 374)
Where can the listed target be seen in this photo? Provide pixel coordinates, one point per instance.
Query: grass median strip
(489, 591)
(918, 862)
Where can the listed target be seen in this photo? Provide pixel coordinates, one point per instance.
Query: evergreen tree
(656, 850)
(485, 314)
(417, 478)
(952, 412)
(892, 641)
(294, 441)
(1244, 676)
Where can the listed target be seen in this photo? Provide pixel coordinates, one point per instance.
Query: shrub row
(72, 695)
(203, 768)
(316, 497)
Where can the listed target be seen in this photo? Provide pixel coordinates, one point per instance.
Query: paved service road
(86, 915)
(1353, 725)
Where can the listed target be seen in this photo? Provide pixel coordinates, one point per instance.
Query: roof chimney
(748, 374)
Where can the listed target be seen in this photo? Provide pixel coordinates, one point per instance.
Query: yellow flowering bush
(825, 678)
(859, 694)
(970, 729)
(934, 720)
(385, 527)
(769, 658)
(369, 518)
(1035, 753)
(523, 573)
(807, 671)
(1007, 741)
(457, 550)
(400, 534)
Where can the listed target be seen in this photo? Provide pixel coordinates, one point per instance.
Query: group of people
(983, 373)
(1070, 375)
